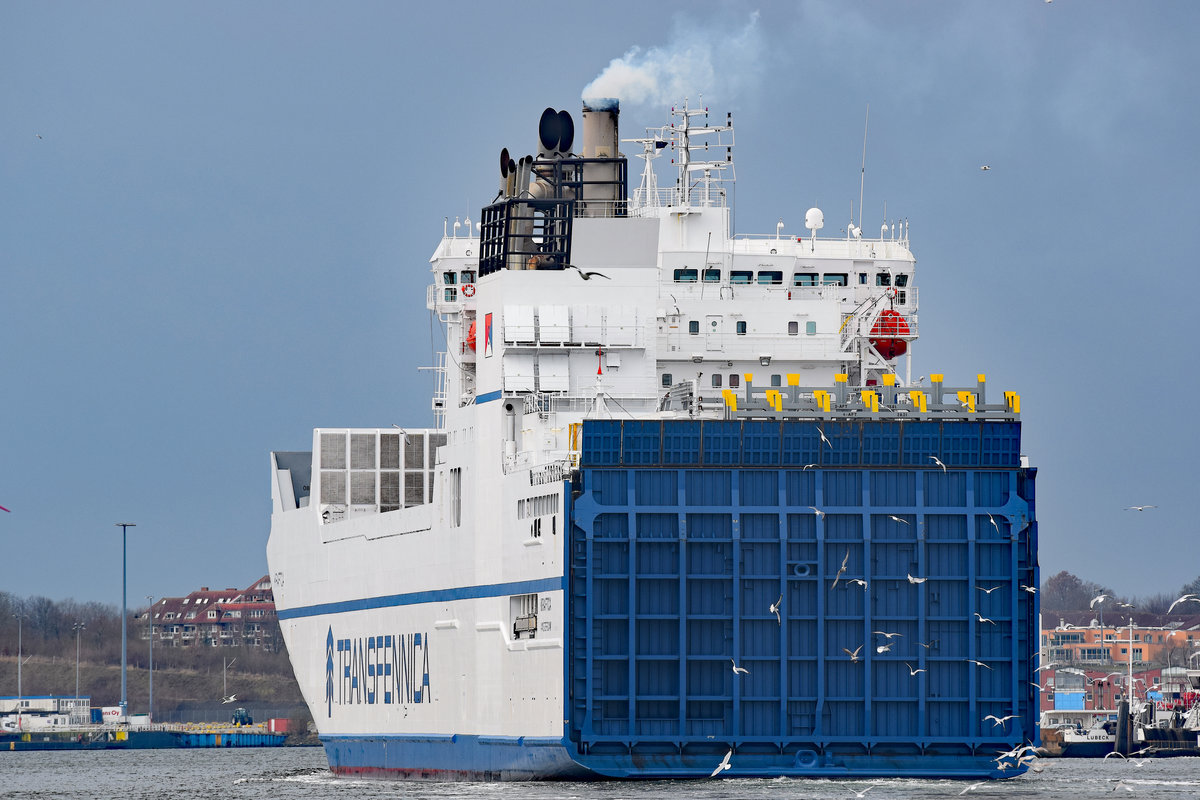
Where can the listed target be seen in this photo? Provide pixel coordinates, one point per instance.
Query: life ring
(891, 292)
(468, 290)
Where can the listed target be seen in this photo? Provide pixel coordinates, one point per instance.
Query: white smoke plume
(717, 62)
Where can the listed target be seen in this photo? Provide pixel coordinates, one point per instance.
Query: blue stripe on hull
(417, 598)
(502, 758)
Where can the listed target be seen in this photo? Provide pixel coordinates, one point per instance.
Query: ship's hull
(676, 538)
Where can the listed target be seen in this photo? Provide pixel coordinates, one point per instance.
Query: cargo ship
(683, 511)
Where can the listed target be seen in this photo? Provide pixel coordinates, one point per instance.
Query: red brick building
(218, 618)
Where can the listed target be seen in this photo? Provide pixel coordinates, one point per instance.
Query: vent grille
(362, 451)
(333, 485)
(362, 488)
(333, 450)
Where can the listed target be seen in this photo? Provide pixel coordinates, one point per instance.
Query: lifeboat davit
(885, 334)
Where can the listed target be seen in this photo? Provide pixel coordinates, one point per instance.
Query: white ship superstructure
(424, 577)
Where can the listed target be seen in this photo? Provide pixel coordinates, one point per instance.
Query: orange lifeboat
(471, 335)
(885, 334)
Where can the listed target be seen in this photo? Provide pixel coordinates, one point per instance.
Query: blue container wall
(684, 533)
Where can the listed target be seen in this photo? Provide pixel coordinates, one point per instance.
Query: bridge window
(694, 327)
(467, 276)
(804, 279)
(835, 279)
(716, 380)
(862, 278)
(741, 276)
(810, 328)
(902, 279)
(770, 277)
(741, 327)
(449, 278)
(776, 380)
(883, 279)
(712, 275)
(666, 379)
(793, 328)
(735, 380)
(686, 275)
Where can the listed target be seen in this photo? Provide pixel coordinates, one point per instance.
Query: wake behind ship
(683, 511)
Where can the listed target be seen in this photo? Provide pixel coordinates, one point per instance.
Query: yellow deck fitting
(889, 380)
(841, 377)
(870, 399)
(937, 377)
(793, 379)
(730, 398)
(918, 400)
(968, 400)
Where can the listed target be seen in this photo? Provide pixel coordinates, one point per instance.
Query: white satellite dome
(814, 219)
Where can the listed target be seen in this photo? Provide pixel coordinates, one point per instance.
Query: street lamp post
(20, 619)
(124, 526)
(78, 628)
(150, 616)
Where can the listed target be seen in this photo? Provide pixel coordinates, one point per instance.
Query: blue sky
(221, 239)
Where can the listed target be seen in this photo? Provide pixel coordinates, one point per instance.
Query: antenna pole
(863, 179)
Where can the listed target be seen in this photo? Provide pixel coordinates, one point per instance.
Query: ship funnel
(600, 137)
(602, 179)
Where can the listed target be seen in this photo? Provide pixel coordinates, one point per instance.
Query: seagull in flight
(901, 520)
(985, 168)
(859, 581)
(775, 609)
(738, 670)
(808, 466)
(229, 699)
(992, 520)
(724, 765)
(38, 135)
(854, 655)
(1030, 589)
(998, 721)
(1138, 508)
(886, 634)
(982, 618)
(912, 673)
(1100, 598)
(820, 514)
(824, 439)
(841, 569)
(911, 579)
(587, 276)
(938, 461)
(1187, 598)
(978, 663)
(926, 645)
(884, 648)
(972, 787)
(989, 591)
(863, 793)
